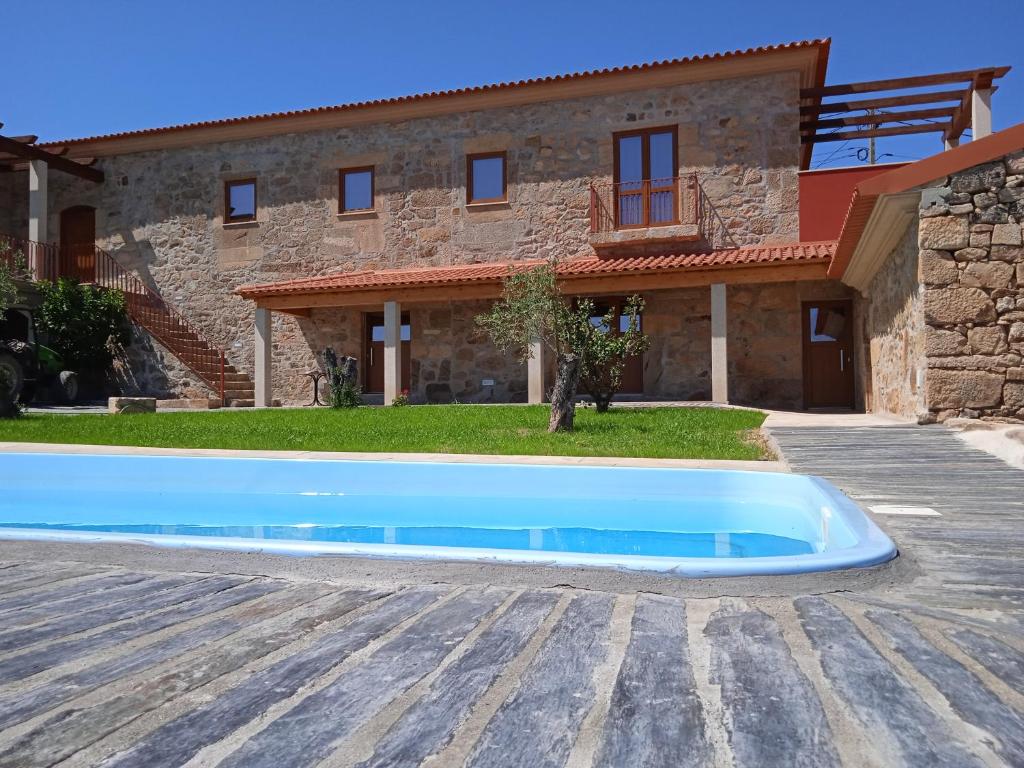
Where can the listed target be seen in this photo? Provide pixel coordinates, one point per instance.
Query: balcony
(631, 215)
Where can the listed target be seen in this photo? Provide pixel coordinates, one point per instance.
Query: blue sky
(107, 65)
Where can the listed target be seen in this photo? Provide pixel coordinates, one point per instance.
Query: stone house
(246, 246)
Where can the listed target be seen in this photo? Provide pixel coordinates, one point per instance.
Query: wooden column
(719, 358)
(264, 387)
(981, 113)
(392, 351)
(535, 373)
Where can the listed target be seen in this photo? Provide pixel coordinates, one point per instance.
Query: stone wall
(894, 325)
(161, 213)
(972, 265)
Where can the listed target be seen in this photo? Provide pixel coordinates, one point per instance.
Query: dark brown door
(828, 354)
(373, 354)
(633, 371)
(78, 243)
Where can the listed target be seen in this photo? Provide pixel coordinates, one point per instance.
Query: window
(240, 200)
(646, 187)
(485, 178)
(355, 189)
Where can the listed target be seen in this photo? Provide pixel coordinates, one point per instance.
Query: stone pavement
(116, 666)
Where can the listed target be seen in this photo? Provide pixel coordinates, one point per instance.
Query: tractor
(28, 368)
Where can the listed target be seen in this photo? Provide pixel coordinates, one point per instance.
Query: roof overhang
(879, 205)
(587, 276)
(808, 58)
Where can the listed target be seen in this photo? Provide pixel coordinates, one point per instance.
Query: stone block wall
(160, 213)
(972, 270)
(894, 327)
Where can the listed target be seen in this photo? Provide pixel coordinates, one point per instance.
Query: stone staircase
(185, 341)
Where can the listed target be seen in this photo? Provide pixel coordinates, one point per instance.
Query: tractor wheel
(68, 386)
(12, 375)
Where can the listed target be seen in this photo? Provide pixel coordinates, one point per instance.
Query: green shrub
(85, 323)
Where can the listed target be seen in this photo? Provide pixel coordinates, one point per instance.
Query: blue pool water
(691, 522)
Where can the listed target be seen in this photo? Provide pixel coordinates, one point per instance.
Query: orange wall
(825, 198)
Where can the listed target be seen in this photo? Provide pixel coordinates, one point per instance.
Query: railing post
(222, 388)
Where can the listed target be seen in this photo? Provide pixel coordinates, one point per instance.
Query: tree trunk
(563, 393)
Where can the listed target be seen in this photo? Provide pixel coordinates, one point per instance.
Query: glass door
(646, 183)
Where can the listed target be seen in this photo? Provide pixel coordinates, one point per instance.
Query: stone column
(264, 387)
(719, 358)
(981, 113)
(392, 351)
(38, 211)
(535, 373)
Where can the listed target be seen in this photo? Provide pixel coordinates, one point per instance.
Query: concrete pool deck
(132, 656)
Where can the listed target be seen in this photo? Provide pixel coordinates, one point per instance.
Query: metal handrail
(88, 264)
(646, 203)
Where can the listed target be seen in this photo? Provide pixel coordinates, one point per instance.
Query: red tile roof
(822, 44)
(422, 277)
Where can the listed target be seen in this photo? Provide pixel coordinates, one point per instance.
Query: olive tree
(587, 353)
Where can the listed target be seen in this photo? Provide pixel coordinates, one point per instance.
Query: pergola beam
(884, 102)
(901, 130)
(30, 152)
(878, 118)
(898, 83)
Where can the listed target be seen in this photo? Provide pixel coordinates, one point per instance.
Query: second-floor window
(646, 187)
(486, 178)
(355, 189)
(240, 200)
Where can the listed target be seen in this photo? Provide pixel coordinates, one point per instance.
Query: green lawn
(692, 433)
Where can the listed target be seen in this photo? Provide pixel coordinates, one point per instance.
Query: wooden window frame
(228, 218)
(373, 188)
(470, 200)
(645, 170)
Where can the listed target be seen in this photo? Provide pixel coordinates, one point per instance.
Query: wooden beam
(879, 118)
(920, 81)
(901, 130)
(961, 118)
(30, 152)
(906, 100)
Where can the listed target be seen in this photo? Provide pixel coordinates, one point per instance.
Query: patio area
(135, 656)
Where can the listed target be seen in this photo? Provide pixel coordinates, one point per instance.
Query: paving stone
(26, 664)
(775, 717)
(997, 657)
(429, 724)
(179, 740)
(314, 728)
(655, 718)
(555, 694)
(967, 695)
(907, 731)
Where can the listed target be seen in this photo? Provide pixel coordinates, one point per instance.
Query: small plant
(345, 391)
(402, 399)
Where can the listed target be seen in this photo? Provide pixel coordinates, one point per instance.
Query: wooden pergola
(16, 152)
(949, 111)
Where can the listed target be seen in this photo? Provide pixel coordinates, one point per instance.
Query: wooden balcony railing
(643, 204)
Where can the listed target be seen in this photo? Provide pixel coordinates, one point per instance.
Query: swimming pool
(691, 522)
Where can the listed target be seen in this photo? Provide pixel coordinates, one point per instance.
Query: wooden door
(78, 243)
(632, 382)
(373, 354)
(828, 354)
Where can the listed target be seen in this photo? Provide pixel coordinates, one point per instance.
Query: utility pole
(871, 143)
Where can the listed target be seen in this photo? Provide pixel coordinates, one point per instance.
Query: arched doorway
(78, 242)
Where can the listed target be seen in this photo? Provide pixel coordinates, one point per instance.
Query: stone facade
(160, 213)
(894, 325)
(972, 270)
